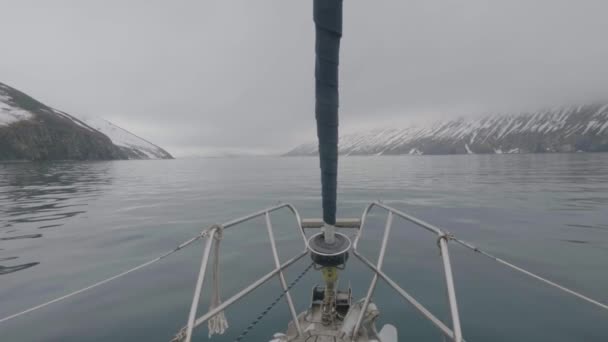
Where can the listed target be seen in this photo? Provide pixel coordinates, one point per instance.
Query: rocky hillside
(30, 130)
(564, 129)
(131, 145)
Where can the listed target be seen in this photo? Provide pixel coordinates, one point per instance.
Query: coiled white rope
(181, 246)
(218, 323)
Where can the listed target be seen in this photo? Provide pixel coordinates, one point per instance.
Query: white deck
(342, 328)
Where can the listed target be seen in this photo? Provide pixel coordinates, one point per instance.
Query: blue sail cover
(328, 24)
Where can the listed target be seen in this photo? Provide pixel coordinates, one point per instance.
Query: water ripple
(42, 196)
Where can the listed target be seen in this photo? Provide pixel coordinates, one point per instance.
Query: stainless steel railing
(278, 270)
(455, 333)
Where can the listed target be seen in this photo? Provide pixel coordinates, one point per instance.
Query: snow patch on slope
(10, 114)
(556, 129)
(123, 138)
(415, 152)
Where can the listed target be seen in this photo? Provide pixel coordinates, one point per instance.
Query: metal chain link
(269, 307)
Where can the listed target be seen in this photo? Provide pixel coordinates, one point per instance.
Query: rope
(530, 274)
(272, 305)
(218, 323)
(37, 307)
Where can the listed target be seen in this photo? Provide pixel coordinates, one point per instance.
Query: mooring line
(107, 280)
(530, 274)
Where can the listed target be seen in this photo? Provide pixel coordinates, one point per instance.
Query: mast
(328, 26)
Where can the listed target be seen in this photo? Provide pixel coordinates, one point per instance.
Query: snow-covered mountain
(30, 130)
(134, 146)
(562, 129)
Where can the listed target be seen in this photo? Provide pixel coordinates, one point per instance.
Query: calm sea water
(66, 225)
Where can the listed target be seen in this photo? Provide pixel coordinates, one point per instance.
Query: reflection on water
(88, 221)
(49, 226)
(41, 196)
(586, 226)
(27, 236)
(11, 269)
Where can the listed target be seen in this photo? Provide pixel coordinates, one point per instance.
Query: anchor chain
(272, 305)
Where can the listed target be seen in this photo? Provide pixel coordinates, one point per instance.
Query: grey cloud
(239, 74)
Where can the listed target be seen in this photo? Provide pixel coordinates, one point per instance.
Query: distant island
(581, 128)
(31, 130)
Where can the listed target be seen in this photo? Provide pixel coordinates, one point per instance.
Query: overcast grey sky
(201, 75)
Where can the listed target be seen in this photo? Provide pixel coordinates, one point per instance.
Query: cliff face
(49, 140)
(31, 130)
(564, 129)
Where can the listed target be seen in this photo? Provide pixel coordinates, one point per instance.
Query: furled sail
(328, 25)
